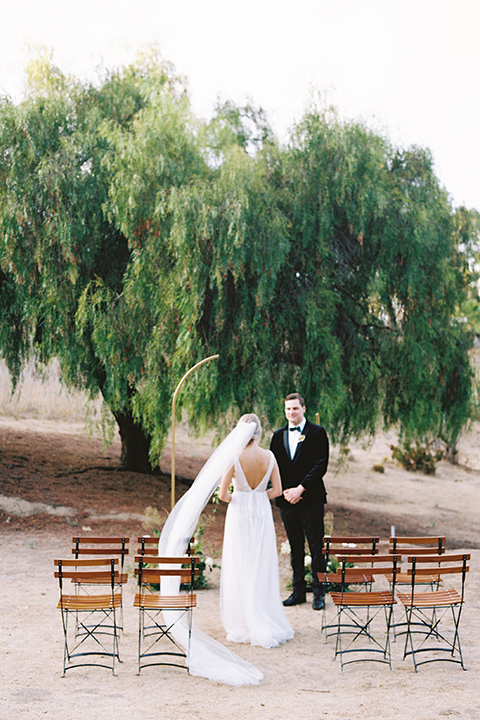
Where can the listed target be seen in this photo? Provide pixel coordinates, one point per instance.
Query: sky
(408, 69)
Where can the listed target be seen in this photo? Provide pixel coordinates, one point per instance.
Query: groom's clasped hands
(293, 495)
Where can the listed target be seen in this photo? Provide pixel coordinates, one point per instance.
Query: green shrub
(421, 458)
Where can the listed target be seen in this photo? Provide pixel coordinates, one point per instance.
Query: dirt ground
(55, 481)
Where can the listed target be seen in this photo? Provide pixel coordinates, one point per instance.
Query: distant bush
(421, 458)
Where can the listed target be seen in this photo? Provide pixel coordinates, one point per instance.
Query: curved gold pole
(202, 362)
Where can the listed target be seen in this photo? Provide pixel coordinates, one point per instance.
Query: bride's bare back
(254, 461)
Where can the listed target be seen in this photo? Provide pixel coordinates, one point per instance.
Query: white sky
(410, 68)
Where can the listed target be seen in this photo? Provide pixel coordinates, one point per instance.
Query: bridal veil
(207, 657)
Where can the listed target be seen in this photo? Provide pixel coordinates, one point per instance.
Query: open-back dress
(251, 607)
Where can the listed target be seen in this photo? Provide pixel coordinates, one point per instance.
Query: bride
(207, 657)
(251, 608)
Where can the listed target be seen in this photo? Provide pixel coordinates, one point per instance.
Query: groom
(301, 449)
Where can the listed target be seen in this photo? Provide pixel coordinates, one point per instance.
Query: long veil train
(207, 657)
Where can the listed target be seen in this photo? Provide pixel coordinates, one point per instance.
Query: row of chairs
(413, 570)
(413, 582)
(92, 619)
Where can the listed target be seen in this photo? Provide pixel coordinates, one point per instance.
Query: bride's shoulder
(266, 454)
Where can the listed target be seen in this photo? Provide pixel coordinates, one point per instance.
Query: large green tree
(333, 265)
(380, 264)
(136, 240)
(66, 261)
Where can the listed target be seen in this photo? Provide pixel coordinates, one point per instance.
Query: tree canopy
(136, 239)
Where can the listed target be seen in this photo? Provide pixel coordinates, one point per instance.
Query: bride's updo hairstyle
(249, 418)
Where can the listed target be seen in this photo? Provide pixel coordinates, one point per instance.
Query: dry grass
(41, 395)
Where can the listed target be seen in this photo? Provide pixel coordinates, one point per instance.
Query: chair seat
(363, 599)
(165, 602)
(439, 598)
(89, 602)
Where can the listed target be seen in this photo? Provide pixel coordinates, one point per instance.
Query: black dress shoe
(318, 603)
(295, 599)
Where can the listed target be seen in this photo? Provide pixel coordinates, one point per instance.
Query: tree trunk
(135, 444)
(451, 453)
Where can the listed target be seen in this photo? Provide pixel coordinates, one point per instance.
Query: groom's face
(294, 412)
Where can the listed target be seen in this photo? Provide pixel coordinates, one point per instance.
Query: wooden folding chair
(160, 613)
(419, 545)
(95, 615)
(109, 547)
(335, 546)
(428, 613)
(363, 609)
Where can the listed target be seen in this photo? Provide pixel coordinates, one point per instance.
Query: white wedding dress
(251, 608)
(206, 657)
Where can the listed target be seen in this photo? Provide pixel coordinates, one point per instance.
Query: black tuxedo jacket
(307, 467)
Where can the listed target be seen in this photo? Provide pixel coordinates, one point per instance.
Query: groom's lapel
(286, 442)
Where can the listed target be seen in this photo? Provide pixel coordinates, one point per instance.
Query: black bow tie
(292, 429)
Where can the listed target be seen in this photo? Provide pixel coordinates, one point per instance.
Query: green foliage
(67, 264)
(420, 458)
(154, 523)
(205, 563)
(137, 240)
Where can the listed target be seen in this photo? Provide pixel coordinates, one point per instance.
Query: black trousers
(305, 521)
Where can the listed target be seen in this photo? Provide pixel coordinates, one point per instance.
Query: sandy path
(301, 679)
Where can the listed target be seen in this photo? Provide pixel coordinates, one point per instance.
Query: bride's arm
(224, 493)
(276, 489)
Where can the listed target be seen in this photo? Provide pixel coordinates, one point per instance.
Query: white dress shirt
(294, 437)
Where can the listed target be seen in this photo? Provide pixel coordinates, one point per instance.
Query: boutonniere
(301, 438)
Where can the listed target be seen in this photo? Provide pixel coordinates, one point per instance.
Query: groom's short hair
(296, 396)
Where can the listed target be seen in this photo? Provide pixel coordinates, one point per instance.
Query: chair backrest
(336, 546)
(421, 545)
(339, 545)
(447, 564)
(89, 570)
(148, 545)
(376, 564)
(150, 569)
(439, 565)
(106, 546)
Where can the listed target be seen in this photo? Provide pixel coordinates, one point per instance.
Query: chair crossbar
(98, 578)
(352, 539)
(418, 540)
(100, 540)
(98, 551)
(86, 562)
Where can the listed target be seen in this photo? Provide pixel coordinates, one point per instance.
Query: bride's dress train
(252, 611)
